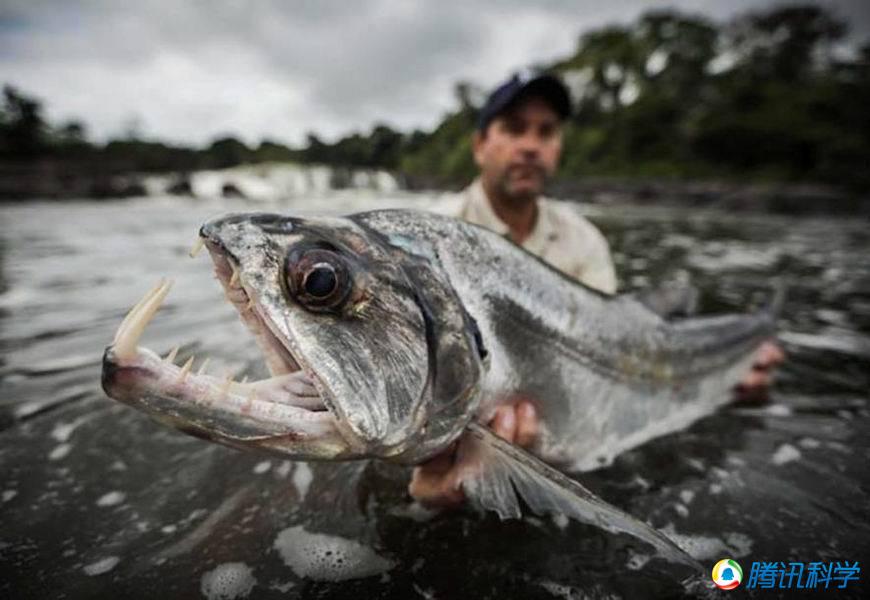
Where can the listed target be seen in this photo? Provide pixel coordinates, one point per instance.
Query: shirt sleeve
(596, 268)
(599, 272)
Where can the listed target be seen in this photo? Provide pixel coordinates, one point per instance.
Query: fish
(394, 334)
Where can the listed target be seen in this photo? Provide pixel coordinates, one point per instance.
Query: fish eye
(320, 281)
(317, 278)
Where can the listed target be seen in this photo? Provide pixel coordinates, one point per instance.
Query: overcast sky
(190, 70)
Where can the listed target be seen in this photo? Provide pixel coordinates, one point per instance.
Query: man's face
(519, 150)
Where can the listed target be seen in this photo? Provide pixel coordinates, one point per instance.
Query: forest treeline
(779, 95)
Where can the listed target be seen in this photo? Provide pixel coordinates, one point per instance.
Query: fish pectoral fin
(498, 473)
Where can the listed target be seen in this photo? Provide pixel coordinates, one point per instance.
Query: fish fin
(497, 474)
(670, 300)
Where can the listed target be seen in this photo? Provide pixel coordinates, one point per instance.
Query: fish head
(370, 350)
(378, 330)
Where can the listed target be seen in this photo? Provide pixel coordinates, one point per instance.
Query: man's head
(518, 141)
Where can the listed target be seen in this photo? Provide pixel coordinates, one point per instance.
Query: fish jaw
(282, 414)
(379, 411)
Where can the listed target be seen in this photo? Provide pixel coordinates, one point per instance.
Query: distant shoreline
(60, 181)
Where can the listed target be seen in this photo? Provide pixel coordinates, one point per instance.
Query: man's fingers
(527, 424)
(435, 490)
(769, 355)
(756, 378)
(435, 483)
(504, 423)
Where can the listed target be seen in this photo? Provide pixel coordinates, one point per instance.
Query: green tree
(23, 129)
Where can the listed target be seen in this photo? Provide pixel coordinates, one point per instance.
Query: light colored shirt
(561, 236)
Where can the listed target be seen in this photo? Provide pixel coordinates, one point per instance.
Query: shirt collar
(479, 210)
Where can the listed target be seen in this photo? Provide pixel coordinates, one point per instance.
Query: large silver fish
(392, 334)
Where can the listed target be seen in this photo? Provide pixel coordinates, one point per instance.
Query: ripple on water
(784, 454)
(111, 499)
(103, 565)
(60, 452)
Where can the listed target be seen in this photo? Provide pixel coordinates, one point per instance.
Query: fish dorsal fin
(498, 473)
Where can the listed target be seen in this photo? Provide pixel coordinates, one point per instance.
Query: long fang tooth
(132, 312)
(170, 358)
(235, 278)
(244, 380)
(185, 369)
(132, 327)
(225, 387)
(203, 366)
(197, 246)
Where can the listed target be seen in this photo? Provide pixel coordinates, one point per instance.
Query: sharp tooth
(244, 380)
(225, 387)
(197, 246)
(250, 304)
(249, 401)
(132, 327)
(203, 366)
(170, 358)
(132, 312)
(185, 369)
(235, 278)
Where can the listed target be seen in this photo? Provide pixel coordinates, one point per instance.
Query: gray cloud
(190, 70)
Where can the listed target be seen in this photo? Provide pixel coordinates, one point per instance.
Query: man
(517, 147)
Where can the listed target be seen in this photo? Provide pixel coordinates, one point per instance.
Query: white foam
(111, 499)
(62, 431)
(809, 443)
(262, 467)
(328, 558)
(558, 590)
(741, 544)
(60, 452)
(282, 587)
(637, 561)
(168, 529)
(302, 477)
(784, 454)
(681, 509)
(283, 470)
(228, 581)
(101, 566)
(687, 496)
(703, 547)
(9, 495)
(560, 520)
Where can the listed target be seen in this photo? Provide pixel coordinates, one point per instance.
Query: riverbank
(268, 182)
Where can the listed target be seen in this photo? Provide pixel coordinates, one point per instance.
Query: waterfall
(269, 182)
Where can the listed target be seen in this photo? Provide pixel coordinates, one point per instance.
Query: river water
(97, 501)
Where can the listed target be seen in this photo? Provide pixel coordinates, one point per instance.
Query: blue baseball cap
(523, 85)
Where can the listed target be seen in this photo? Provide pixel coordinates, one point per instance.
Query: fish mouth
(285, 412)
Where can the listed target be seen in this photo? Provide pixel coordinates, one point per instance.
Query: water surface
(96, 500)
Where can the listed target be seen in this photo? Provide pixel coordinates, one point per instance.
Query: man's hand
(755, 384)
(436, 484)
